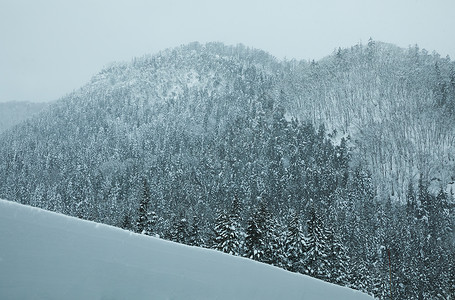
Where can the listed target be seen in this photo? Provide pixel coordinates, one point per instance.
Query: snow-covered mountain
(168, 143)
(44, 255)
(397, 105)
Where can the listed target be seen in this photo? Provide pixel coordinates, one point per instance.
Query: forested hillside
(325, 168)
(397, 104)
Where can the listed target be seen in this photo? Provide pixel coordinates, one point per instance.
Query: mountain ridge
(351, 91)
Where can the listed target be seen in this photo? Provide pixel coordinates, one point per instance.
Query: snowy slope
(45, 255)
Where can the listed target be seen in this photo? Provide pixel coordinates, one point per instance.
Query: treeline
(306, 247)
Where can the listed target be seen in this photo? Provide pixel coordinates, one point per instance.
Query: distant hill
(12, 113)
(396, 105)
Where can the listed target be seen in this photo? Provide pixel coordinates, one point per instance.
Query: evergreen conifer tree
(195, 238)
(316, 262)
(253, 242)
(272, 244)
(260, 242)
(338, 267)
(180, 229)
(143, 214)
(226, 237)
(294, 244)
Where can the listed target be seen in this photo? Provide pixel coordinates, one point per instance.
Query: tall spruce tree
(254, 243)
(338, 268)
(143, 222)
(294, 244)
(226, 234)
(317, 252)
(262, 242)
(179, 231)
(273, 246)
(195, 238)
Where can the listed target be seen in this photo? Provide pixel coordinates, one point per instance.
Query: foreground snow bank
(44, 255)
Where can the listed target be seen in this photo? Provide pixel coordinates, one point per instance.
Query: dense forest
(341, 169)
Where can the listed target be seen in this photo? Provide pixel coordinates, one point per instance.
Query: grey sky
(50, 47)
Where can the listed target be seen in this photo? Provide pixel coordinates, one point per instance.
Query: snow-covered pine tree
(451, 282)
(226, 237)
(440, 237)
(360, 279)
(194, 234)
(294, 245)
(272, 242)
(126, 222)
(143, 216)
(150, 226)
(275, 250)
(316, 261)
(338, 268)
(254, 246)
(258, 241)
(235, 223)
(180, 229)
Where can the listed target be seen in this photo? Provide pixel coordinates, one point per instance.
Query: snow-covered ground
(44, 255)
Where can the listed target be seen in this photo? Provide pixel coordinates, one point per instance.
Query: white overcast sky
(50, 47)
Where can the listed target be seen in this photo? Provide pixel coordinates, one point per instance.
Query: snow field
(45, 255)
